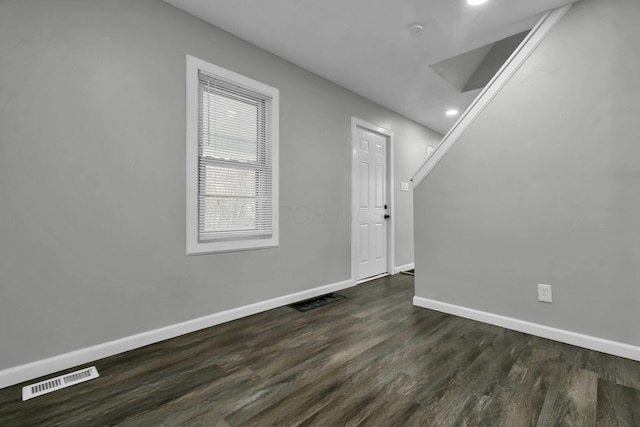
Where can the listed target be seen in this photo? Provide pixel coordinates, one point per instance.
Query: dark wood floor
(372, 359)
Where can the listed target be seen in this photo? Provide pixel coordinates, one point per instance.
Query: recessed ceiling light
(452, 112)
(476, 2)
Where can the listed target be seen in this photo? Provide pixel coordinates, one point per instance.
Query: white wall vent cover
(57, 383)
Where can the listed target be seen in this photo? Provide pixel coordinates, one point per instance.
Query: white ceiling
(366, 47)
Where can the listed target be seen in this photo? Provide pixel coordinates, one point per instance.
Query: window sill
(200, 248)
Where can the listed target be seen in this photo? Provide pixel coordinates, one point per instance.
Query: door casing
(355, 182)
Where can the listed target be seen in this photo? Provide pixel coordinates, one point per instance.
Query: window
(232, 160)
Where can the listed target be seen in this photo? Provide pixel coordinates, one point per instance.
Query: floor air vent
(53, 384)
(316, 302)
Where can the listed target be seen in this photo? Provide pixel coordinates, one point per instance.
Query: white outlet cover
(404, 186)
(544, 293)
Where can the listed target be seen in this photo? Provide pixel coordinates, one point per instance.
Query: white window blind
(232, 160)
(235, 161)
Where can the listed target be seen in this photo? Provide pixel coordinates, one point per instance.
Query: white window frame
(194, 245)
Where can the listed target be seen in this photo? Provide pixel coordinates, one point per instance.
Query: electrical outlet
(544, 293)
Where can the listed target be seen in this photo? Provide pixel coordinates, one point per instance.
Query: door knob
(387, 216)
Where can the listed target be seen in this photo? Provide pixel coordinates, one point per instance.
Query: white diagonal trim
(508, 69)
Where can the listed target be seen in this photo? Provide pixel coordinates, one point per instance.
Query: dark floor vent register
(316, 302)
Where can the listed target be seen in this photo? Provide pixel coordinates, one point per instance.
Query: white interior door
(371, 201)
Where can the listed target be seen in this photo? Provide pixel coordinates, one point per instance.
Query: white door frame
(355, 184)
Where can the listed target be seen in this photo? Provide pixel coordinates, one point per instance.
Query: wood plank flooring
(372, 359)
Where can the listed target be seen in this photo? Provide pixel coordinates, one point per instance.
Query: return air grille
(316, 302)
(57, 383)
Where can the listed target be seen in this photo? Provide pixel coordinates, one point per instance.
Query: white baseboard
(403, 268)
(586, 341)
(29, 371)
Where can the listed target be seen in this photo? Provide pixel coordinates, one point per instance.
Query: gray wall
(544, 187)
(92, 176)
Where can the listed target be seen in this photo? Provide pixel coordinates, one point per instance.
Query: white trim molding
(504, 74)
(391, 260)
(30, 371)
(568, 337)
(234, 242)
(405, 267)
